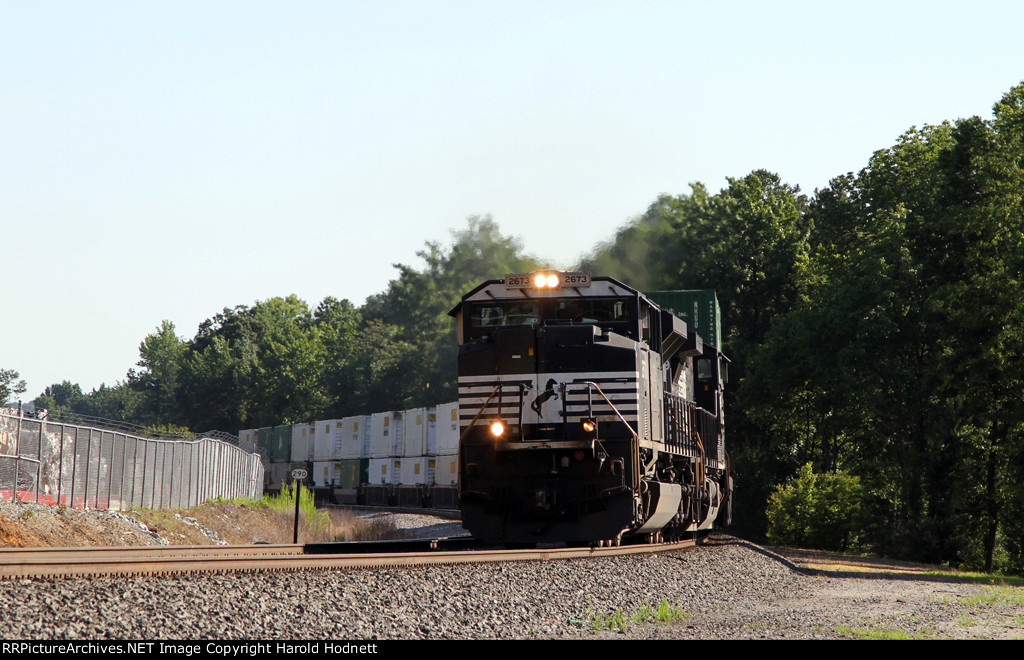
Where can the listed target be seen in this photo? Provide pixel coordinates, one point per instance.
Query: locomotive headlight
(540, 280)
(497, 429)
(552, 281)
(589, 425)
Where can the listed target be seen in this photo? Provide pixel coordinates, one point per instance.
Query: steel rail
(98, 562)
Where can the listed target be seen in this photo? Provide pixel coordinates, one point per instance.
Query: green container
(265, 442)
(698, 307)
(282, 444)
(354, 471)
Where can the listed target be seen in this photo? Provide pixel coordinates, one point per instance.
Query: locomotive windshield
(609, 313)
(503, 313)
(593, 311)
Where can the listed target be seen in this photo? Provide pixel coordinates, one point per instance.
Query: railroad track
(72, 562)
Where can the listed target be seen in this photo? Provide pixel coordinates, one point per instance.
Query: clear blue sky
(163, 160)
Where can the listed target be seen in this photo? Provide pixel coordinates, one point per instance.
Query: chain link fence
(80, 466)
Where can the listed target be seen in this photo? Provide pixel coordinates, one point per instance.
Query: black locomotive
(587, 413)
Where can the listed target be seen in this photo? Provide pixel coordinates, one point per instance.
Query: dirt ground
(840, 600)
(24, 525)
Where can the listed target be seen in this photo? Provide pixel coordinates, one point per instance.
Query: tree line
(875, 330)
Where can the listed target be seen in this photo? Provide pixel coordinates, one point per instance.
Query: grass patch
(617, 621)
(284, 502)
(875, 633)
(979, 578)
(270, 519)
(670, 613)
(998, 595)
(346, 526)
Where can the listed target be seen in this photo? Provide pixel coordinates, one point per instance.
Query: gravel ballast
(726, 589)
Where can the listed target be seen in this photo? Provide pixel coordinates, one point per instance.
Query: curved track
(67, 562)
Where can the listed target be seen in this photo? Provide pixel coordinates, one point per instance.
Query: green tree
(118, 402)
(902, 357)
(259, 366)
(418, 301)
(11, 385)
(650, 251)
(161, 356)
(60, 397)
(338, 323)
(816, 510)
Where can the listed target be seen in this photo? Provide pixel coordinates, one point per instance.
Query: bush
(820, 511)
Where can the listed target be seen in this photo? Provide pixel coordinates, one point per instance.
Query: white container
(446, 470)
(447, 442)
(414, 432)
(379, 471)
(302, 442)
(385, 434)
(327, 439)
(247, 440)
(430, 437)
(414, 470)
(354, 431)
(326, 472)
(395, 470)
(365, 433)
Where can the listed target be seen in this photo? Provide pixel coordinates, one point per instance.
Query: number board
(525, 280)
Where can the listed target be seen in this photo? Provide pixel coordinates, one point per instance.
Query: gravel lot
(728, 589)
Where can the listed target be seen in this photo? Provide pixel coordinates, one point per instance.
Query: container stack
(401, 457)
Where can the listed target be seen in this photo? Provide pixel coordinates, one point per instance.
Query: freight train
(403, 458)
(588, 412)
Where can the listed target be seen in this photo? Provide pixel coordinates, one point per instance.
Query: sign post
(298, 475)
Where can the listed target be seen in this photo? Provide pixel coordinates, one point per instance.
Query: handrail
(612, 405)
(635, 443)
(479, 412)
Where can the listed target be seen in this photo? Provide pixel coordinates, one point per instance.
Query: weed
(618, 621)
(873, 633)
(997, 595)
(671, 613)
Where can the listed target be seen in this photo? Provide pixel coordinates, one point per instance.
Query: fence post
(60, 470)
(17, 457)
(170, 494)
(39, 467)
(88, 466)
(99, 472)
(135, 467)
(124, 462)
(110, 465)
(188, 492)
(204, 452)
(74, 467)
(145, 462)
